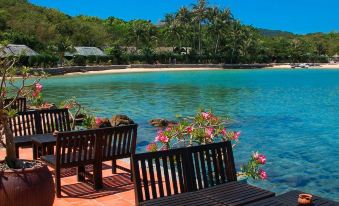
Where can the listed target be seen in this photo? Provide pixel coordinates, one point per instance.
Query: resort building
(85, 51)
(16, 50)
(335, 58)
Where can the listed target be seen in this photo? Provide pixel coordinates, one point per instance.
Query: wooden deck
(118, 188)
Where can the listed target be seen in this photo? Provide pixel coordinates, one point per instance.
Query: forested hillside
(212, 33)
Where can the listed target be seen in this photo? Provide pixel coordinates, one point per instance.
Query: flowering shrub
(252, 169)
(37, 99)
(204, 128)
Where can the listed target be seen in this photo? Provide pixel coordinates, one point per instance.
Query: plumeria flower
(152, 147)
(236, 135)
(255, 155)
(261, 159)
(168, 129)
(189, 130)
(206, 115)
(262, 174)
(209, 131)
(223, 132)
(35, 94)
(161, 137)
(98, 121)
(38, 87)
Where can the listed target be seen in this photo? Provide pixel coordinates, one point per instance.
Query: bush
(79, 60)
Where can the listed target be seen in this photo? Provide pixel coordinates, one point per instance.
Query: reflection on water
(292, 116)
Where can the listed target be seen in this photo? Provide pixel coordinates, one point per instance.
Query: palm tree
(63, 45)
(199, 15)
(219, 22)
(184, 19)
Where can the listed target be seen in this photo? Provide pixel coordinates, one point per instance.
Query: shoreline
(119, 69)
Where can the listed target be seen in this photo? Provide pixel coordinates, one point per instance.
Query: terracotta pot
(305, 199)
(27, 187)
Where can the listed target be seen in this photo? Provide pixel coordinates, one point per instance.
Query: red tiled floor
(117, 191)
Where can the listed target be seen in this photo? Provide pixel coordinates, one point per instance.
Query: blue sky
(298, 16)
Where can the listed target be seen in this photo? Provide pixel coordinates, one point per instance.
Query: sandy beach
(142, 70)
(138, 70)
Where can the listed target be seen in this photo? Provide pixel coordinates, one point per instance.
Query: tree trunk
(216, 45)
(199, 43)
(10, 146)
(62, 55)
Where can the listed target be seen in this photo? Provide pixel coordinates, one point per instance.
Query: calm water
(291, 116)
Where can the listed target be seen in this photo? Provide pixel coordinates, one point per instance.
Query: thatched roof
(16, 50)
(86, 51)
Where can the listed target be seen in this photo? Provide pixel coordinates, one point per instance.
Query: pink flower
(38, 87)
(3, 93)
(206, 115)
(98, 121)
(152, 147)
(261, 159)
(189, 130)
(223, 132)
(161, 137)
(236, 135)
(35, 94)
(209, 131)
(168, 129)
(262, 174)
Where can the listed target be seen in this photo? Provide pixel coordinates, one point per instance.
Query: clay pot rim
(26, 170)
(305, 195)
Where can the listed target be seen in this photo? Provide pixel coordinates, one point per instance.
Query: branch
(20, 89)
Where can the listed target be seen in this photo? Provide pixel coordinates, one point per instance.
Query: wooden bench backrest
(211, 165)
(55, 120)
(25, 123)
(83, 147)
(76, 148)
(20, 104)
(164, 173)
(159, 174)
(118, 141)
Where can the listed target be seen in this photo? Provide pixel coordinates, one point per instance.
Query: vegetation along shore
(199, 34)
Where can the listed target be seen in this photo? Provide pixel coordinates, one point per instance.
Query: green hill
(272, 33)
(45, 29)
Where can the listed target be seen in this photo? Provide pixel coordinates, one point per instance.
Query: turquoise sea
(292, 116)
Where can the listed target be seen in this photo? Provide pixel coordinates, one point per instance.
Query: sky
(297, 16)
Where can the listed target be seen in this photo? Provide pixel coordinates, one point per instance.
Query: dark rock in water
(119, 120)
(162, 122)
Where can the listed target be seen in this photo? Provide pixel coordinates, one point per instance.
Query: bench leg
(17, 151)
(81, 173)
(97, 176)
(35, 152)
(131, 170)
(58, 182)
(114, 166)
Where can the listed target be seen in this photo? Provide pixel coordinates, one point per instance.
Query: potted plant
(205, 128)
(22, 182)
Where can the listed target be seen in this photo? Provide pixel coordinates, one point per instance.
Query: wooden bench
(91, 147)
(20, 104)
(193, 175)
(29, 123)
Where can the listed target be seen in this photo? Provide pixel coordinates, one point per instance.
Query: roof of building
(86, 51)
(16, 50)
